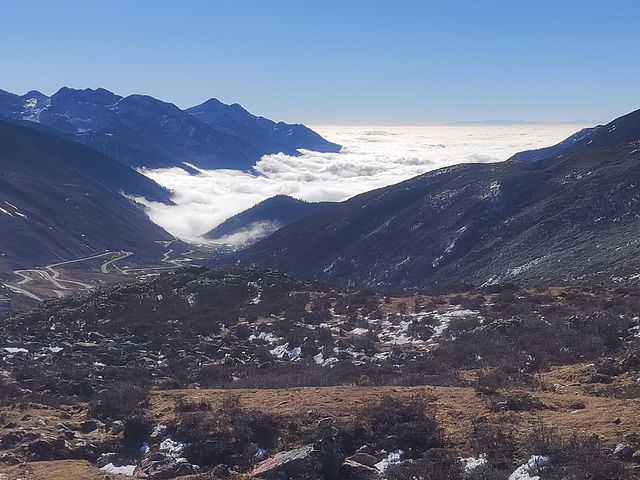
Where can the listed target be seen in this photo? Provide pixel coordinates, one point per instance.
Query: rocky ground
(233, 374)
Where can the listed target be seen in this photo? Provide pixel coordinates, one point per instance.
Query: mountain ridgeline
(263, 219)
(142, 131)
(567, 218)
(61, 200)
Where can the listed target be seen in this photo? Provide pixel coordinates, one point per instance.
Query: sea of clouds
(371, 157)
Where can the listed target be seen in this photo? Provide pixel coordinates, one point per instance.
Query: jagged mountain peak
(100, 96)
(140, 130)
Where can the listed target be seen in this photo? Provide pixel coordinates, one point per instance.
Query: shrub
(9, 391)
(576, 457)
(183, 405)
(490, 381)
(438, 464)
(228, 435)
(497, 443)
(119, 400)
(136, 429)
(403, 424)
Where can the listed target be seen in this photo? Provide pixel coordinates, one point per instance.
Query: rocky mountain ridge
(142, 131)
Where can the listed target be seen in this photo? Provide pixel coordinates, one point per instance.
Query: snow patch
(124, 470)
(391, 459)
(531, 469)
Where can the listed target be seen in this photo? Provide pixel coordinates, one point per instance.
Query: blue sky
(348, 61)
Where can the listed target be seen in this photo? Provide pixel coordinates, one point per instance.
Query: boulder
(9, 459)
(364, 459)
(623, 452)
(160, 467)
(609, 367)
(117, 427)
(352, 470)
(601, 378)
(90, 425)
(107, 458)
(158, 433)
(41, 448)
(320, 460)
(11, 439)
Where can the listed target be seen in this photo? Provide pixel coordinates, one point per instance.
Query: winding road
(50, 274)
(59, 286)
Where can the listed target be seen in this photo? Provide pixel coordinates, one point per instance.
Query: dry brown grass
(55, 470)
(456, 407)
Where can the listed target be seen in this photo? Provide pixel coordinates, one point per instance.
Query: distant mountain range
(61, 200)
(562, 214)
(263, 219)
(499, 122)
(142, 131)
(567, 215)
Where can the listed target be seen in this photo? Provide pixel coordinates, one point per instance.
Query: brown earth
(560, 390)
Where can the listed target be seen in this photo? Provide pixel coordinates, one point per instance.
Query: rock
(11, 439)
(322, 459)
(617, 421)
(285, 465)
(635, 458)
(577, 405)
(117, 427)
(90, 425)
(159, 431)
(160, 467)
(325, 428)
(60, 444)
(41, 448)
(364, 459)
(352, 470)
(601, 378)
(9, 459)
(623, 452)
(324, 423)
(366, 449)
(107, 458)
(609, 367)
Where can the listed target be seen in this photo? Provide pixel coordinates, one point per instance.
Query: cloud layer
(371, 157)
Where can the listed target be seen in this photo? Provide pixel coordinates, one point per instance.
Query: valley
(319, 240)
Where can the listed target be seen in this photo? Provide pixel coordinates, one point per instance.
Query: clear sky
(344, 61)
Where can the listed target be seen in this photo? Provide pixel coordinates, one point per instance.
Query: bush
(490, 381)
(183, 405)
(229, 435)
(136, 429)
(437, 464)
(403, 424)
(9, 391)
(576, 457)
(119, 400)
(497, 443)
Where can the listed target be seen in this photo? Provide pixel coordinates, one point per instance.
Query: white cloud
(249, 234)
(371, 157)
